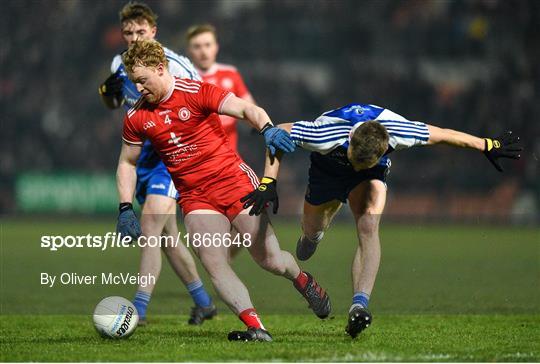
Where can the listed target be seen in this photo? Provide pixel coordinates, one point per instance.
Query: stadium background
(466, 65)
(461, 264)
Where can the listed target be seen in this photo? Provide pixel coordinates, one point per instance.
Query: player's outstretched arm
(454, 138)
(275, 138)
(504, 146)
(126, 179)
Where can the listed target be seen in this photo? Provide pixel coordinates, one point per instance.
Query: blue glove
(128, 225)
(276, 138)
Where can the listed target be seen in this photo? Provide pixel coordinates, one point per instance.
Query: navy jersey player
(155, 190)
(349, 163)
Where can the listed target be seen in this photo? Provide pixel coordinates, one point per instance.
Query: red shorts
(222, 193)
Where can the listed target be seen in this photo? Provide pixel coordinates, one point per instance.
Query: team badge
(184, 114)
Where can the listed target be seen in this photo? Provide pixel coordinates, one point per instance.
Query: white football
(115, 317)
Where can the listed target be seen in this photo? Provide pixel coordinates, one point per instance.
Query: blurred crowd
(471, 65)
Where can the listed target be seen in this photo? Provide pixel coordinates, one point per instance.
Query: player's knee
(368, 224)
(150, 246)
(151, 225)
(215, 267)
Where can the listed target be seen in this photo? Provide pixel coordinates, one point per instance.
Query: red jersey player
(180, 118)
(202, 47)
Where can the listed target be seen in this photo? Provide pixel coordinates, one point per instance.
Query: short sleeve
(321, 135)
(211, 97)
(406, 134)
(130, 133)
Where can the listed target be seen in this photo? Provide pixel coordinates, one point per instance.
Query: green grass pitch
(444, 293)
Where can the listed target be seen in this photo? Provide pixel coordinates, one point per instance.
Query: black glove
(260, 197)
(112, 85)
(128, 225)
(504, 146)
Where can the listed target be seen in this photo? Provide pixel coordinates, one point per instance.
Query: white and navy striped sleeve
(403, 133)
(181, 66)
(321, 135)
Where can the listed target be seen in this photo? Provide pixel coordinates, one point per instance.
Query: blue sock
(361, 298)
(141, 301)
(199, 294)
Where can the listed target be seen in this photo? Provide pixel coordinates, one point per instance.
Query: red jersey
(228, 78)
(186, 132)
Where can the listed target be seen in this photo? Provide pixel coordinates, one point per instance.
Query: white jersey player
(349, 163)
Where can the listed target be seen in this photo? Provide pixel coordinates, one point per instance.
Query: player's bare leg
(215, 260)
(179, 256)
(234, 250)
(315, 221)
(152, 223)
(367, 202)
(266, 251)
(159, 215)
(265, 248)
(184, 266)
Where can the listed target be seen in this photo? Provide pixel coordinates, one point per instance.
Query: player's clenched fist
(128, 225)
(276, 138)
(504, 146)
(260, 197)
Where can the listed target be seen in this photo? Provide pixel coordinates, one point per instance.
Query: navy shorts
(330, 180)
(154, 181)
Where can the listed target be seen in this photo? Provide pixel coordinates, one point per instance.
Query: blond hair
(145, 53)
(138, 12)
(369, 142)
(195, 30)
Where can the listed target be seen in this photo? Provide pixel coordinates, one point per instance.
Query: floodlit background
(460, 264)
(469, 65)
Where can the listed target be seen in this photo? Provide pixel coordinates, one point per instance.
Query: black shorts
(330, 180)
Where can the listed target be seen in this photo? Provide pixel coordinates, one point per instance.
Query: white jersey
(333, 129)
(179, 66)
